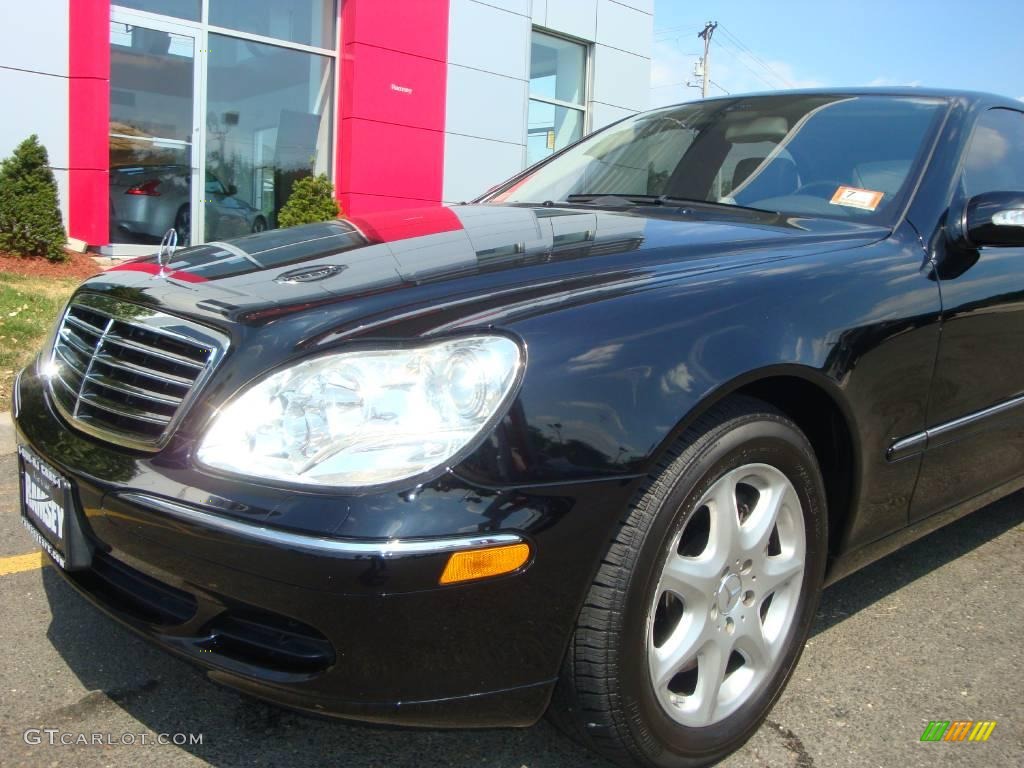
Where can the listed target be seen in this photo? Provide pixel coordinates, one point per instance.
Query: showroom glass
(181, 9)
(150, 132)
(268, 124)
(557, 112)
(781, 153)
(260, 119)
(309, 22)
(995, 159)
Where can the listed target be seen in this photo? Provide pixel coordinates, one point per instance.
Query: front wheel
(703, 602)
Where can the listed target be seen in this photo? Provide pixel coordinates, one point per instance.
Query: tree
(30, 222)
(311, 200)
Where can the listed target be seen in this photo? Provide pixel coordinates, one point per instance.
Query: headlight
(365, 417)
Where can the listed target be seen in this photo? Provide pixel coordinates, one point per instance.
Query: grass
(28, 309)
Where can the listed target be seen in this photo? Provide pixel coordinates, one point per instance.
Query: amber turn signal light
(481, 563)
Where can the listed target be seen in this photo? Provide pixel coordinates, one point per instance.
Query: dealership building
(201, 114)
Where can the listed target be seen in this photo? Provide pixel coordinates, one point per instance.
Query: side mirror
(995, 219)
(232, 190)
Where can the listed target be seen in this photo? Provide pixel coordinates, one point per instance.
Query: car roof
(971, 97)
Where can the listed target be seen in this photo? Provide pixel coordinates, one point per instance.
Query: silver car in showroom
(148, 200)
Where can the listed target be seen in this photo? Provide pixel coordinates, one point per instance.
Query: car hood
(437, 265)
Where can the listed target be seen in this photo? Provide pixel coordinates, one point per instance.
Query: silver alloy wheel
(727, 596)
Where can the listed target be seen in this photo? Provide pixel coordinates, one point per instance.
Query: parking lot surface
(929, 633)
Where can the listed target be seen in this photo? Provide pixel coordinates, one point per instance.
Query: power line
(740, 44)
(685, 26)
(670, 85)
(733, 46)
(685, 83)
(740, 59)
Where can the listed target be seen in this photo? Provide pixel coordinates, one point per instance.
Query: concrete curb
(6, 433)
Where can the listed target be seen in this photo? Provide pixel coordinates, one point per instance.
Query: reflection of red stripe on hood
(154, 269)
(389, 226)
(511, 190)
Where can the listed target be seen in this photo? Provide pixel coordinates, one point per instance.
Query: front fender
(612, 382)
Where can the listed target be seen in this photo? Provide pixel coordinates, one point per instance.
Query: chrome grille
(124, 372)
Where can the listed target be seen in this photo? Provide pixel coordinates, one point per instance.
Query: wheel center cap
(729, 591)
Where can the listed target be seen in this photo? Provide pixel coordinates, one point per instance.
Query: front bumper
(308, 601)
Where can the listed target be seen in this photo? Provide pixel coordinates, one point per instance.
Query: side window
(995, 157)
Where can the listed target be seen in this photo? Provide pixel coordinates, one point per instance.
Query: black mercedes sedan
(591, 445)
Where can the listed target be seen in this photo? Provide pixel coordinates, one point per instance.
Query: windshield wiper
(615, 199)
(669, 199)
(626, 200)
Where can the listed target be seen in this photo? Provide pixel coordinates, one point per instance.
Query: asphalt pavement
(929, 633)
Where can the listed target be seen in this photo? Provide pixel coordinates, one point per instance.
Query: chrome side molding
(950, 431)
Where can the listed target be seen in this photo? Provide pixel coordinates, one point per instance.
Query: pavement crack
(793, 743)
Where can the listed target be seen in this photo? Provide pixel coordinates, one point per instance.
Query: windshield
(810, 155)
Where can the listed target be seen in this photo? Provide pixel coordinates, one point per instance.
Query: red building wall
(390, 137)
(89, 115)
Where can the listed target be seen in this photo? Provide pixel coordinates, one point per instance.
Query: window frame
(583, 106)
(204, 24)
(200, 31)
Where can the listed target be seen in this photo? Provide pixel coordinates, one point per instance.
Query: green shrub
(30, 223)
(311, 200)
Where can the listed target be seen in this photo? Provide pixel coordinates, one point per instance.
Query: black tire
(259, 224)
(604, 697)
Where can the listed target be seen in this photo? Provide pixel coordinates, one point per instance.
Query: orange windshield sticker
(855, 197)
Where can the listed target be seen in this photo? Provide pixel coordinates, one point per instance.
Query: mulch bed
(79, 265)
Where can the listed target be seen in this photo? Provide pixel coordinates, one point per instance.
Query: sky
(758, 46)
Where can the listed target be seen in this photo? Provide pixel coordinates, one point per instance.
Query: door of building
(154, 132)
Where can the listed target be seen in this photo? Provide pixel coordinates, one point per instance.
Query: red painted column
(390, 138)
(89, 120)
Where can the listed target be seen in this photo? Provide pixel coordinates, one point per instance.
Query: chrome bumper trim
(318, 544)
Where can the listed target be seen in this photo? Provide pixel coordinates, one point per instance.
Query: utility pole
(705, 34)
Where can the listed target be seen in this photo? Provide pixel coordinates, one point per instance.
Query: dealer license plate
(46, 505)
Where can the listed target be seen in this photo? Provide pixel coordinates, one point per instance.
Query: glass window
(643, 166)
(150, 188)
(833, 156)
(310, 22)
(151, 82)
(743, 162)
(267, 111)
(151, 128)
(549, 127)
(995, 159)
(181, 9)
(268, 123)
(557, 113)
(558, 69)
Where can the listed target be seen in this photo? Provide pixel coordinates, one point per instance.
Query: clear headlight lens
(364, 417)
